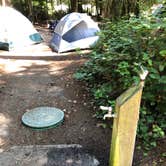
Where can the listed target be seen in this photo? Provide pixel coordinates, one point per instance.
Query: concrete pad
(47, 155)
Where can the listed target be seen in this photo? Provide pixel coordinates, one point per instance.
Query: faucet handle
(143, 73)
(109, 114)
(105, 108)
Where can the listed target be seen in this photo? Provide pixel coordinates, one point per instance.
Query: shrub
(114, 65)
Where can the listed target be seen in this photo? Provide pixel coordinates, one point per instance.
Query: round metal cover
(43, 117)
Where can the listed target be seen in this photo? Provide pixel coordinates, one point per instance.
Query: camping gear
(74, 31)
(43, 117)
(16, 30)
(53, 24)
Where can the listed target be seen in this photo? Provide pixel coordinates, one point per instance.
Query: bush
(114, 65)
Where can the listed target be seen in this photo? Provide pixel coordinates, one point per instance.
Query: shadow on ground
(26, 84)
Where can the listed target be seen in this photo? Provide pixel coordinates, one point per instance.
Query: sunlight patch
(12, 66)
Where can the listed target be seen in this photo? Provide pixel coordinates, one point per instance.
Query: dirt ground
(27, 82)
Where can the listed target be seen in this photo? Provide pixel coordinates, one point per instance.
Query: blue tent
(73, 31)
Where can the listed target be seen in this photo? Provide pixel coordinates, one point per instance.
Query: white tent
(73, 31)
(16, 30)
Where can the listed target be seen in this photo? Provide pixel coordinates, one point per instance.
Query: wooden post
(125, 126)
(125, 123)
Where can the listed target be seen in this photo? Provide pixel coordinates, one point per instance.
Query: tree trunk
(97, 7)
(115, 9)
(6, 2)
(74, 5)
(52, 7)
(3, 2)
(46, 9)
(30, 10)
(80, 10)
(101, 7)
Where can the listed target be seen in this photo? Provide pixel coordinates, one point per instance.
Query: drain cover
(43, 117)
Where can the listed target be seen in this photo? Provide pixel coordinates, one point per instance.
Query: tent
(16, 30)
(73, 31)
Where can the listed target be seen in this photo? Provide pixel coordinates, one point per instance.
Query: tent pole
(3, 3)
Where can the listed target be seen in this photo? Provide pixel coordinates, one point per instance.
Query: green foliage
(40, 9)
(161, 12)
(114, 66)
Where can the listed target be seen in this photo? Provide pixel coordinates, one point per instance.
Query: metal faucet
(143, 75)
(109, 114)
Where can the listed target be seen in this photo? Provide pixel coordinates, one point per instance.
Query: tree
(30, 10)
(79, 7)
(5, 2)
(115, 9)
(74, 5)
(52, 6)
(99, 7)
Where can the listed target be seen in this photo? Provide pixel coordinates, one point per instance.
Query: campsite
(80, 60)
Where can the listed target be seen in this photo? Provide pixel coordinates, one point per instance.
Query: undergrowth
(113, 67)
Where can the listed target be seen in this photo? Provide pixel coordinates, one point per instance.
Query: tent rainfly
(16, 30)
(74, 31)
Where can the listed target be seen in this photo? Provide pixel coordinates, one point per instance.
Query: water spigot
(143, 73)
(109, 114)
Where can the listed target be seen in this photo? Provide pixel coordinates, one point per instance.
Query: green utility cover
(43, 117)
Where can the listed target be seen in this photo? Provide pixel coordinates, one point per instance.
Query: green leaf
(145, 154)
(150, 62)
(161, 67)
(79, 75)
(154, 76)
(103, 125)
(163, 53)
(153, 144)
(164, 154)
(138, 147)
(162, 79)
